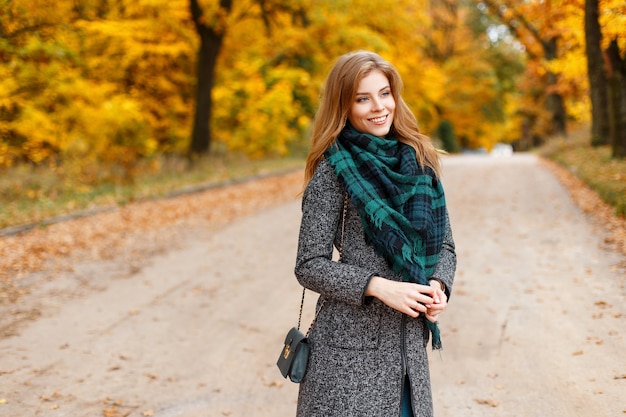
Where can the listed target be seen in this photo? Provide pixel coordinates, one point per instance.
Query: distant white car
(502, 149)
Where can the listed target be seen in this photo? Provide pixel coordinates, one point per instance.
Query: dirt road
(535, 327)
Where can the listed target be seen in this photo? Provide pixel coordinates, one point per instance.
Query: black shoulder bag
(294, 357)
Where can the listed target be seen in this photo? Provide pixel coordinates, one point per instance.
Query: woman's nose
(377, 104)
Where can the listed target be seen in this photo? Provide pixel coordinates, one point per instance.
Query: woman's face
(374, 107)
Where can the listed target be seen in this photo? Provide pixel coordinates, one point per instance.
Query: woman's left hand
(440, 302)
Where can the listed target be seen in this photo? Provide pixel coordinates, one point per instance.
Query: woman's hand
(440, 302)
(407, 297)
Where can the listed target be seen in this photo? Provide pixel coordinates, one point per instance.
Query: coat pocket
(352, 327)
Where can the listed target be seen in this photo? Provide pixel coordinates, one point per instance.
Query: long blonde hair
(336, 101)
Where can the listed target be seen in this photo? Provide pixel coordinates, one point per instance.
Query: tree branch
(497, 10)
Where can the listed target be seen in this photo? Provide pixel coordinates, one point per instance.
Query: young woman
(382, 301)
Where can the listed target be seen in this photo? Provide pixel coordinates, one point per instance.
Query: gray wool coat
(361, 349)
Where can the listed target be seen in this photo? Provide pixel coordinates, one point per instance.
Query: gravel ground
(179, 307)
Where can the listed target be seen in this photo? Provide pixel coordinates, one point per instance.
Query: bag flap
(294, 337)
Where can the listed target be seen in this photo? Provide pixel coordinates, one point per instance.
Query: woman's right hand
(406, 297)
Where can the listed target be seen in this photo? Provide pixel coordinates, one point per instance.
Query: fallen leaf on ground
(487, 401)
(47, 398)
(111, 412)
(274, 383)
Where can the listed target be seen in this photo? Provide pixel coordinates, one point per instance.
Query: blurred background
(104, 102)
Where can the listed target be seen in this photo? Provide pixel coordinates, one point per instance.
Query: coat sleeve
(322, 208)
(446, 265)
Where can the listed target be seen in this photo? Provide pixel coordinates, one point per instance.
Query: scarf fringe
(436, 334)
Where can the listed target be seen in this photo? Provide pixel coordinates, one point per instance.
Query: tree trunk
(616, 75)
(554, 100)
(211, 38)
(597, 76)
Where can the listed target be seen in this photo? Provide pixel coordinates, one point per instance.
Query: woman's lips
(379, 120)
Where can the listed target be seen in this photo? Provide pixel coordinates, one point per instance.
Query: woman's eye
(386, 93)
(361, 99)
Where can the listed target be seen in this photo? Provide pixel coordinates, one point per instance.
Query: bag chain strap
(343, 228)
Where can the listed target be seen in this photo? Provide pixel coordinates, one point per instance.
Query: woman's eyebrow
(364, 94)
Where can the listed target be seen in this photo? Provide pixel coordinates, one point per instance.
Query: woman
(382, 301)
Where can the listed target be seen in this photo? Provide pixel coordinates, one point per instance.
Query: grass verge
(592, 165)
(30, 194)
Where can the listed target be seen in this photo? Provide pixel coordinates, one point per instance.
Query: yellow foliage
(613, 21)
(109, 83)
(6, 157)
(552, 31)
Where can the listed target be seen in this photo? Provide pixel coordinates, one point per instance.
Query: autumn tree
(474, 88)
(616, 77)
(506, 59)
(600, 129)
(264, 78)
(534, 24)
(211, 27)
(90, 89)
(606, 63)
(143, 51)
(612, 18)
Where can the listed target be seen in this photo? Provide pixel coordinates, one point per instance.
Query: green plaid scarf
(401, 204)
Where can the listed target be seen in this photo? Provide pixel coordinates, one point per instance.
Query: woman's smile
(379, 120)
